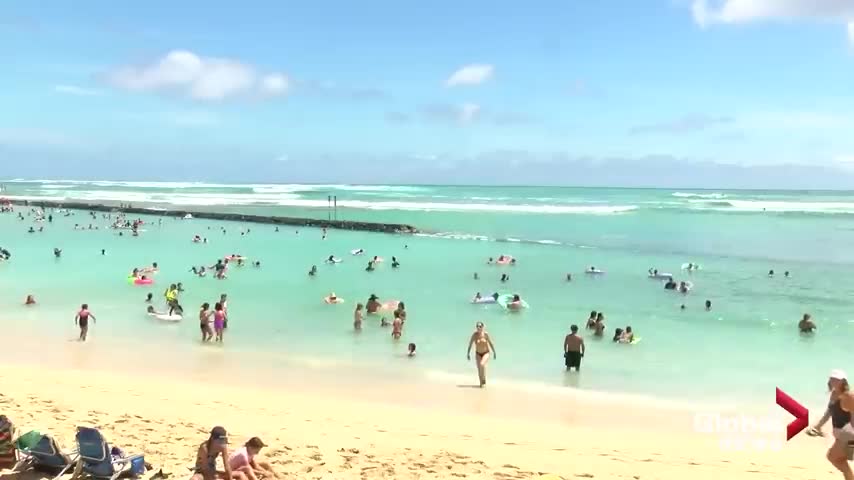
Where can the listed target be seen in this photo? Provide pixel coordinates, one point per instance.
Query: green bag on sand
(28, 440)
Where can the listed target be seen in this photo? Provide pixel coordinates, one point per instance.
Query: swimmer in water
(149, 297)
(683, 287)
(357, 317)
(489, 261)
(628, 336)
(396, 327)
(57, 252)
(599, 326)
(411, 350)
(370, 267)
(400, 311)
(384, 322)
(205, 322)
(806, 325)
(770, 273)
(504, 277)
(373, 304)
(568, 277)
(482, 342)
(618, 335)
(476, 298)
(591, 320)
(516, 303)
(331, 259)
(670, 285)
(475, 276)
(513, 262)
(786, 274)
(708, 305)
(394, 263)
(31, 300)
(313, 271)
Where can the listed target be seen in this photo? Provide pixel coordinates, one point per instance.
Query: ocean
(742, 349)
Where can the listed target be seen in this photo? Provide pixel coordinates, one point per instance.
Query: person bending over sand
(483, 347)
(243, 461)
(215, 446)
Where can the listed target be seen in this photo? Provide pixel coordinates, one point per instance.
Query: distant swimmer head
(516, 298)
(495, 295)
(411, 349)
(708, 304)
(682, 307)
(786, 274)
(150, 309)
(475, 276)
(568, 277)
(770, 273)
(618, 332)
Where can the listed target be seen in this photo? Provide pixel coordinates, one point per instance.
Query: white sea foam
(698, 195)
(293, 200)
(775, 206)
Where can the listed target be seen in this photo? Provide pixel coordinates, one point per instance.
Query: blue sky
(439, 92)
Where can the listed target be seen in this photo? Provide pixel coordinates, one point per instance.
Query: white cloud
(275, 84)
(75, 90)
(744, 11)
(200, 78)
(473, 74)
(741, 11)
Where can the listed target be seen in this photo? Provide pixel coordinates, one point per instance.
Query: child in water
(411, 350)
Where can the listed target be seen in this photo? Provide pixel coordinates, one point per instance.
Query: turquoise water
(740, 351)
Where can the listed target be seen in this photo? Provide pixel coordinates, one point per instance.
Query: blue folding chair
(46, 455)
(97, 460)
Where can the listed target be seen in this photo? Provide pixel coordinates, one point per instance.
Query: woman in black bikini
(839, 410)
(215, 446)
(483, 347)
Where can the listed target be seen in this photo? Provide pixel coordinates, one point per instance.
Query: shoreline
(376, 227)
(318, 436)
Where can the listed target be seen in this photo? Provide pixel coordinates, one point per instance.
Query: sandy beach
(320, 436)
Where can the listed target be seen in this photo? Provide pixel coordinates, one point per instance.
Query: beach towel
(8, 456)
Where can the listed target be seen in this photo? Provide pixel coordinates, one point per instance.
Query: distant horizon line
(459, 185)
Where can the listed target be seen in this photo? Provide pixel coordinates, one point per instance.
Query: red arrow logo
(801, 414)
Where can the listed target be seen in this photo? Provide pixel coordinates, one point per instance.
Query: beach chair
(44, 455)
(96, 458)
(8, 453)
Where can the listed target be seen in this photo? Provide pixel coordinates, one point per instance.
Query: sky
(706, 93)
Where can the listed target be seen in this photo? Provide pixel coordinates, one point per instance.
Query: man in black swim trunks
(573, 349)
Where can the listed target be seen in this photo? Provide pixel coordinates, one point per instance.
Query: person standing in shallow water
(573, 349)
(483, 347)
(82, 320)
(357, 317)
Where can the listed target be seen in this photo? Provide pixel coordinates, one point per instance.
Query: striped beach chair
(8, 452)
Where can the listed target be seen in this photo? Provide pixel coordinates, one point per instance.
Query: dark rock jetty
(231, 217)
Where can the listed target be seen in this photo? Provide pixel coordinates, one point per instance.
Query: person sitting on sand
(215, 446)
(373, 304)
(411, 350)
(31, 300)
(243, 460)
(806, 325)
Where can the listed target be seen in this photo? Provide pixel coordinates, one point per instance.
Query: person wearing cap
(373, 304)
(243, 460)
(215, 446)
(839, 410)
